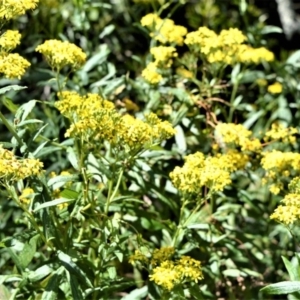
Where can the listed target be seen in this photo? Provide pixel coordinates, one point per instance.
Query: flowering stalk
(111, 197)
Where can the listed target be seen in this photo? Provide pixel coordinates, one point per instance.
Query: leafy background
(239, 246)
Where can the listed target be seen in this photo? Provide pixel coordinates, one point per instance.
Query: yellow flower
(150, 20)
(280, 133)
(12, 169)
(60, 54)
(198, 171)
(13, 65)
(164, 30)
(150, 73)
(95, 119)
(237, 135)
(10, 9)
(161, 255)
(275, 88)
(165, 275)
(290, 211)
(163, 55)
(169, 274)
(9, 40)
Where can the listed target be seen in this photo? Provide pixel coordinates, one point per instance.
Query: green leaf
(8, 103)
(28, 251)
(292, 268)
(75, 287)
(50, 292)
(4, 293)
(53, 203)
(137, 294)
(39, 273)
(112, 273)
(73, 268)
(69, 194)
(24, 110)
(59, 181)
(72, 158)
(16, 260)
(12, 87)
(284, 287)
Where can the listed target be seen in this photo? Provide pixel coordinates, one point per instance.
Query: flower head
(10, 9)
(61, 54)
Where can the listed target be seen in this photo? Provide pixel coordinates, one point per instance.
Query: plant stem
(232, 98)
(112, 196)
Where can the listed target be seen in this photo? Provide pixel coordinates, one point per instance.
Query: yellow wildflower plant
(164, 30)
(199, 171)
(13, 65)
(169, 273)
(166, 271)
(61, 54)
(279, 132)
(9, 40)
(13, 169)
(166, 275)
(227, 47)
(237, 135)
(290, 211)
(275, 88)
(10, 9)
(278, 162)
(151, 74)
(161, 255)
(95, 119)
(163, 55)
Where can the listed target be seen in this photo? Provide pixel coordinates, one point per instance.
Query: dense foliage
(149, 150)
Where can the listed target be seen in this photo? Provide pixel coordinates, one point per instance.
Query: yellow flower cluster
(26, 196)
(238, 136)
(61, 54)
(161, 255)
(168, 272)
(212, 172)
(94, 118)
(150, 73)
(12, 65)
(280, 133)
(275, 88)
(164, 30)
(290, 211)
(10, 9)
(278, 164)
(163, 55)
(162, 59)
(227, 47)
(12, 169)
(9, 40)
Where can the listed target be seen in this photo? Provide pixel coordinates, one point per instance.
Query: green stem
(11, 129)
(111, 198)
(232, 98)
